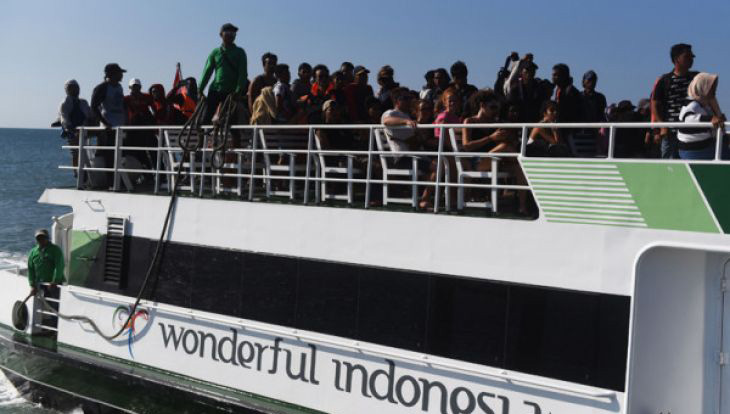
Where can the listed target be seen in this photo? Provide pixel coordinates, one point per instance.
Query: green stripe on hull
(667, 196)
(715, 183)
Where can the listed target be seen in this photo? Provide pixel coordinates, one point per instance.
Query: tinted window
(573, 336)
(467, 320)
(327, 300)
(560, 334)
(392, 308)
(269, 292)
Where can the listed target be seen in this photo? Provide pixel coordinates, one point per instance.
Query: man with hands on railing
(73, 113)
(45, 263)
(670, 95)
(107, 104)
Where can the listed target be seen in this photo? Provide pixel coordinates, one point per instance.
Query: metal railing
(248, 157)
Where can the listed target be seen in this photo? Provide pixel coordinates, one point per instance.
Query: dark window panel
(216, 284)
(327, 300)
(613, 318)
(393, 306)
(467, 320)
(177, 269)
(269, 292)
(559, 334)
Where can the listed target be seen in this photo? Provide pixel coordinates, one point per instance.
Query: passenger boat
(281, 289)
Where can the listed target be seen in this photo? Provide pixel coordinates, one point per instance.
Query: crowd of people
(344, 96)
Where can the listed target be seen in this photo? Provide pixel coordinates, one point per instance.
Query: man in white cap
(45, 262)
(138, 105)
(73, 113)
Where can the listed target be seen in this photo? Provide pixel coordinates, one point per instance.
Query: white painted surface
(14, 287)
(580, 257)
(464, 392)
(725, 368)
(675, 333)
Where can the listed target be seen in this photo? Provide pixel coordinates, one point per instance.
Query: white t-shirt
(397, 136)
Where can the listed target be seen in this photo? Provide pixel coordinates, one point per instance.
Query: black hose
(221, 130)
(191, 124)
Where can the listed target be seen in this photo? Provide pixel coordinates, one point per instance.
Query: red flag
(178, 76)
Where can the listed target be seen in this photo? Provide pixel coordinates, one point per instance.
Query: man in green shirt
(230, 66)
(45, 262)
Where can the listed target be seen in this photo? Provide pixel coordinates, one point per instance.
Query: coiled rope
(221, 131)
(188, 147)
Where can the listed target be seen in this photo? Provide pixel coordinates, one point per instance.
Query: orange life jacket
(188, 106)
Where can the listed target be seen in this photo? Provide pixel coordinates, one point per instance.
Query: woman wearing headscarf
(694, 143)
(264, 108)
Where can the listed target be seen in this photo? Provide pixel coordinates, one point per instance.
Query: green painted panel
(715, 183)
(85, 246)
(667, 196)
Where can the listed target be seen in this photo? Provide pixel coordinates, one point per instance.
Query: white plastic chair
(464, 171)
(387, 162)
(325, 171)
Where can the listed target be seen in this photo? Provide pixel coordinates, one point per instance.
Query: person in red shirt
(356, 94)
(163, 106)
(138, 105)
(139, 112)
(322, 85)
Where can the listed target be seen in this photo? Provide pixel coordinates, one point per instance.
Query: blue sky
(43, 43)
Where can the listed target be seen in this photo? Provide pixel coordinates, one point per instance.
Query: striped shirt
(670, 92)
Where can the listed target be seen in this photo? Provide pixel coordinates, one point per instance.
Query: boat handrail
(248, 166)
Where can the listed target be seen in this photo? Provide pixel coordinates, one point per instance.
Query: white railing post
(611, 141)
(523, 142)
(718, 144)
(117, 157)
(310, 142)
(369, 173)
(437, 185)
(81, 160)
(159, 160)
(494, 193)
(254, 138)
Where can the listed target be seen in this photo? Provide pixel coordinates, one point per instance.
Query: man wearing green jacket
(45, 262)
(230, 66)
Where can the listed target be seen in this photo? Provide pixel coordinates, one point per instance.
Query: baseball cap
(135, 81)
(228, 27)
(41, 232)
(590, 76)
(113, 68)
(359, 69)
(71, 82)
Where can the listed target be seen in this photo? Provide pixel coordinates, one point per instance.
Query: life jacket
(188, 105)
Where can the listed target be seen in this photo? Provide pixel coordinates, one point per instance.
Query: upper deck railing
(272, 160)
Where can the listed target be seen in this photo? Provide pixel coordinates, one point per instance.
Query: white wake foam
(8, 394)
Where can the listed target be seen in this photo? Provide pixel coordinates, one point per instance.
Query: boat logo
(132, 325)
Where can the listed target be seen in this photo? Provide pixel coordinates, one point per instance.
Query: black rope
(221, 131)
(184, 141)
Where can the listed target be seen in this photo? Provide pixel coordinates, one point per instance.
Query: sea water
(29, 160)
